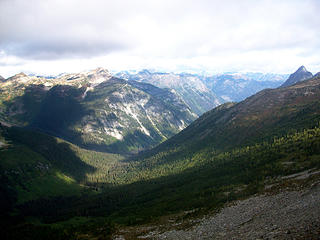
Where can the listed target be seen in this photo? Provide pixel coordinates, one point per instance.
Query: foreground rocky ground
(288, 215)
(287, 210)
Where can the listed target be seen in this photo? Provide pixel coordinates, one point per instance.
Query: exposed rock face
(300, 75)
(204, 92)
(189, 87)
(95, 109)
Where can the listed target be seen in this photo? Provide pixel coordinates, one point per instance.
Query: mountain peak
(22, 74)
(145, 71)
(300, 75)
(100, 70)
(97, 71)
(302, 69)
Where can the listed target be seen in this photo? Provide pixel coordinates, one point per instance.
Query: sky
(55, 36)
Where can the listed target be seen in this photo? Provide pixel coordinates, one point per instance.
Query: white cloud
(56, 36)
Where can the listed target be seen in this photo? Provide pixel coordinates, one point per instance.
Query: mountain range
(94, 109)
(201, 92)
(235, 87)
(66, 173)
(189, 87)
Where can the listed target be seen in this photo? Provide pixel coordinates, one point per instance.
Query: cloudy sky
(54, 36)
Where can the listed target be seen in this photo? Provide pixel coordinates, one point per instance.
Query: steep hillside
(95, 110)
(36, 165)
(189, 87)
(300, 75)
(261, 116)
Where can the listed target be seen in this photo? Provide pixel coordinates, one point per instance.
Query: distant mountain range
(236, 87)
(202, 93)
(189, 87)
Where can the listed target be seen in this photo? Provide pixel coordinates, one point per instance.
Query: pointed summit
(2, 79)
(302, 69)
(300, 75)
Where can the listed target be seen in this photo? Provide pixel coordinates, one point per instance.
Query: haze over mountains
(201, 93)
(235, 87)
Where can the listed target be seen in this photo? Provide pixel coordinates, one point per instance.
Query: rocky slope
(300, 75)
(189, 87)
(94, 109)
(289, 213)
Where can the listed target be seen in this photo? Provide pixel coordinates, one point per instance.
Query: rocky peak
(1, 78)
(300, 75)
(145, 71)
(98, 76)
(100, 70)
(21, 77)
(301, 69)
(93, 77)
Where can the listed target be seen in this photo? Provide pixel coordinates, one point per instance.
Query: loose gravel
(286, 215)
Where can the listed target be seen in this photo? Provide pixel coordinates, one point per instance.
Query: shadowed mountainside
(95, 110)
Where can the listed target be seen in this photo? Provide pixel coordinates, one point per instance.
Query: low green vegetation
(236, 150)
(139, 190)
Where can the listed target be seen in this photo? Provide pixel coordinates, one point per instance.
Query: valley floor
(292, 212)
